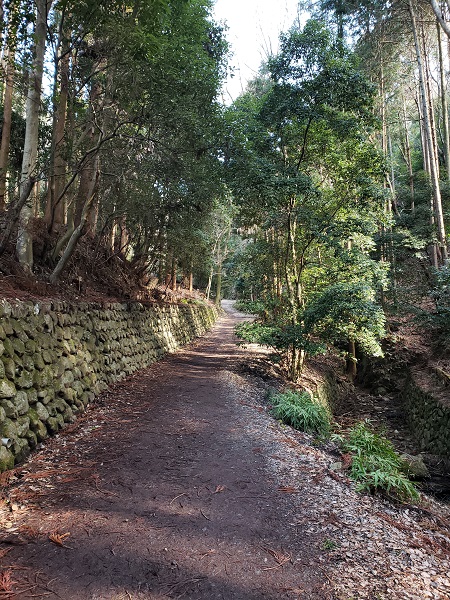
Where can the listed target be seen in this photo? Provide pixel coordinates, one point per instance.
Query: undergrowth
(301, 412)
(376, 466)
(253, 307)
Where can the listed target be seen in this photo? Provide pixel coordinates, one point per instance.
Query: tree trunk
(408, 158)
(88, 169)
(443, 90)
(79, 230)
(218, 286)
(210, 278)
(423, 138)
(55, 206)
(351, 361)
(438, 208)
(24, 246)
(440, 17)
(173, 275)
(7, 122)
(14, 213)
(2, 28)
(428, 131)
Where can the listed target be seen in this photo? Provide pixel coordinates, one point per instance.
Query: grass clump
(376, 466)
(301, 412)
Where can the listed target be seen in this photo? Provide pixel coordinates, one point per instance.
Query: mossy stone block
(50, 393)
(10, 367)
(55, 423)
(8, 429)
(32, 439)
(38, 361)
(41, 431)
(33, 416)
(43, 378)
(23, 425)
(67, 378)
(69, 347)
(9, 408)
(25, 380)
(41, 411)
(7, 389)
(21, 402)
(48, 323)
(28, 362)
(18, 345)
(31, 346)
(47, 356)
(32, 396)
(44, 341)
(68, 394)
(51, 408)
(52, 425)
(77, 406)
(6, 459)
(21, 450)
(8, 348)
(78, 387)
(65, 410)
(8, 328)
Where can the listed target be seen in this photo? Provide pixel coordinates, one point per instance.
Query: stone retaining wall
(428, 418)
(56, 357)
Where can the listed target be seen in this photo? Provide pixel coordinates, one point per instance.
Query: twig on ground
(179, 496)
(280, 559)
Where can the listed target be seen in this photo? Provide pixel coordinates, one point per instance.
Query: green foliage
(441, 296)
(252, 307)
(306, 178)
(329, 544)
(281, 337)
(301, 412)
(339, 313)
(375, 465)
(346, 311)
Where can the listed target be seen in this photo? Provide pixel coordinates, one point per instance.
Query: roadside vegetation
(319, 199)
(374, 464)
(301, 412)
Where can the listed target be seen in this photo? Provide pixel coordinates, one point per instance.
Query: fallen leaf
(219, 488)
(58, 538)
(288, 489)
(6, 581)
(280, 559)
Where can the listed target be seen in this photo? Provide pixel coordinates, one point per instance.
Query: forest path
(170, 487)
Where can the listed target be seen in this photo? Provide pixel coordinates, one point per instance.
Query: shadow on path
(166, 492)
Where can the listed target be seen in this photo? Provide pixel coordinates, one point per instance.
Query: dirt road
(178, 483)
(166, 492)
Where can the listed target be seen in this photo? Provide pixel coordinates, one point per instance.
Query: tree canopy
(317, 193)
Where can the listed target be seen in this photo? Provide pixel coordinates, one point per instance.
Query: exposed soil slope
(179, 484)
